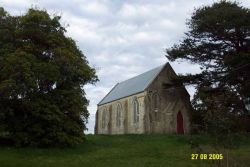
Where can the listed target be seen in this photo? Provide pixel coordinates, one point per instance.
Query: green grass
(125, 150)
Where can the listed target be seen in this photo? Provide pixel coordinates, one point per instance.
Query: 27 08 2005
(206, 156)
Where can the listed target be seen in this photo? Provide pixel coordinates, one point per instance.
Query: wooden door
(180, 128)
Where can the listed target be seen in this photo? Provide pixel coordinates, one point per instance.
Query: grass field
(126, 150)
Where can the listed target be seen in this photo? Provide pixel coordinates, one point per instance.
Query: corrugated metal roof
(131, 86)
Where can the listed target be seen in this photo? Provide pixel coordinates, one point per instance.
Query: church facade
(146, 104)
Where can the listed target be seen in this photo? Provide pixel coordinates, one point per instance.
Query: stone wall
(127, 125)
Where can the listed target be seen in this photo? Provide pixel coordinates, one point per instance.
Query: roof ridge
(133, 85)
(144, 73)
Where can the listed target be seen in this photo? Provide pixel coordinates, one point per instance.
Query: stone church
(146, 104)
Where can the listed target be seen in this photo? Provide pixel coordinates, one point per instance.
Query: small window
(118, 115)
(136, 110)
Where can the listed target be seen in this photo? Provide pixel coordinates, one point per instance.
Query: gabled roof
(132, 86)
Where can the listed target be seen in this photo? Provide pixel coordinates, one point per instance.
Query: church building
(146, 104)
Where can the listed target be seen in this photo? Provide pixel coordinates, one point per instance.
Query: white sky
(120, 38)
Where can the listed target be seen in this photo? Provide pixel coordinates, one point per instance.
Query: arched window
(104, 113)
(156, 102)
(136, 110)
(118, 115)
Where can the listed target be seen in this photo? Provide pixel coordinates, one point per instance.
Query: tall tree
(42, 74)
(219, 41)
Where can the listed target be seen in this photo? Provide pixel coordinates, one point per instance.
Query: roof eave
(107, 94)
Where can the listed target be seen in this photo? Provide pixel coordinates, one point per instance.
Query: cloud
(120, 38)
(95, 8)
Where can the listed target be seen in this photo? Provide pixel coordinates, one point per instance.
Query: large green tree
(219, 41)
(42, 74)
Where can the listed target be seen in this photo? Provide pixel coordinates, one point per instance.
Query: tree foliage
(219, 41)
(42, 74)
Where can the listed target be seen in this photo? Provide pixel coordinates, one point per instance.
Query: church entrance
(180, 128)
